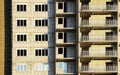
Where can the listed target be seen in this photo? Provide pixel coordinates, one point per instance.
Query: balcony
(98, 38)
(99, 23)
(98, 69)
(65, 8)
(65, 68)
(99, 7)
(99, 54)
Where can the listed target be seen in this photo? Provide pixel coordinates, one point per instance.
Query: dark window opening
(65, 52)
(21, 52)
(60, 35)
(60, 50)
(60, 5)
(60, 20)
(46, 7)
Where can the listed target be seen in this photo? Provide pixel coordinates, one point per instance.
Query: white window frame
(22, 49)
(60, 65)
(41, 22)
(41, 7)
(41, 67)
(21, 19)
(62, 4)
(47, 35)
(21, 67)
(58, 20)
(41, 36)
(23, 22)
(41, 51)
(22, 34)
(44, 7)
(21, 4)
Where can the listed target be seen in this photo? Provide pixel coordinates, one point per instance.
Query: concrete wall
(70, 7)
(71, 52)
(69, 20)
(70, 37)
(97, 35)
(101, 4)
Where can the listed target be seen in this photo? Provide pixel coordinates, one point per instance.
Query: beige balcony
(99, 54)
(98, 7)
(98, 38)
(99, 23)
(110, 68)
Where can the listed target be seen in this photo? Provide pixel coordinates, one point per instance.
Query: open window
(60, 5)
(109, 36)
(60, 50)
(60, 20)
(60, 35)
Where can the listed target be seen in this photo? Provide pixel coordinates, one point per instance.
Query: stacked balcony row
(66, 34)
(99, 7)
(66, 38)
(98, 34)
(68, 7)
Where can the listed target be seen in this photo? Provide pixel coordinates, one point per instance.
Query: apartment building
(32, 37)
(65, 37)
(99, 37)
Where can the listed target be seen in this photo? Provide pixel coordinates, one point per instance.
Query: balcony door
(109, 66)
(85, 5)
(109, 35)
(85, 66)
(109, 5)
(85, 52)
(109, 51)
(65, 67)
(109, 21)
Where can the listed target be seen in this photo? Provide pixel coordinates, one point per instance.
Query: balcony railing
(99, 38)
(98, 68)
(99, 7)
(99, 53)
(99, 23)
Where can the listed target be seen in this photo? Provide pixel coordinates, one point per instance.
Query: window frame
(60, 20)
(23, 65)
(62, 35)
(43, 51)
(60, 5)
(62, 52)
(44, 22)
(22, 38)
(41, 8)
(20, 20)
(41, 67)
(20, 52)
(43, 37)
(21, 7)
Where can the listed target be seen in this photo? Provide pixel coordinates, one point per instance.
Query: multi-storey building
(32, 37)
(62, 37)
(99, 33)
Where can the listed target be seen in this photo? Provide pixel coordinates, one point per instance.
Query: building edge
(8, 39)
